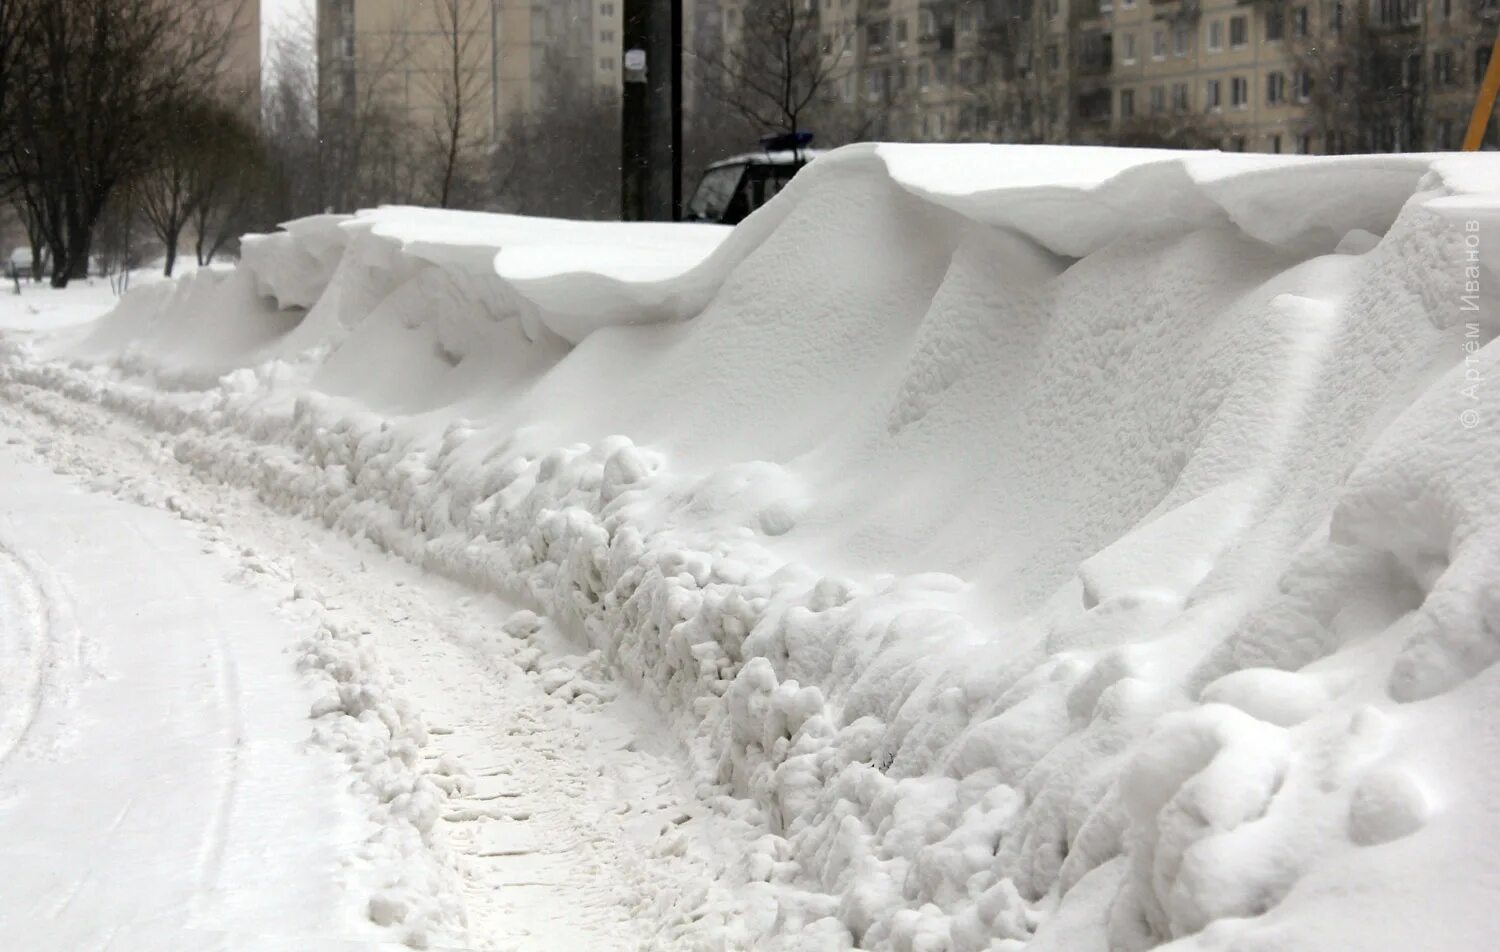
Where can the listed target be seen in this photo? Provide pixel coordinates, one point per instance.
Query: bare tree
(459, 91)
(782, 61)
(1028, 88)
(231, 184)
(35, 240)
(209, 172)
(88, 80)
(164, 192)
(121, 242)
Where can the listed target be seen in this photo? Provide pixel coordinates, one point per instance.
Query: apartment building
(1299, 75)
(240, 22)
(1257, 75)
(512, 52)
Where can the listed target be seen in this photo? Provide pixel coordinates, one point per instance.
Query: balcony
(937, 31)
(1177, 11)
(1095, 53)
(1395, 16)
(1088, 9)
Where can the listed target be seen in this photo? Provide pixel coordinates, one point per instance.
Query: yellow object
(1486, 102)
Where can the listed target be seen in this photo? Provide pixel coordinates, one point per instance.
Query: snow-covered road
(158, 772)
(155, 785)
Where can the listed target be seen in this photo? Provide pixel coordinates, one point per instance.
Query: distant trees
(562, 158)
(85, 85)
(210, 172)
(338, 137)
(1028, 87)
(1362, 77)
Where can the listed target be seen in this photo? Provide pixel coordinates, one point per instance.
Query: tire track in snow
(41, 651)
(23, 640)
(560, 819)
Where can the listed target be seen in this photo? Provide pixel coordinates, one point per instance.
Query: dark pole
(635, 119)
(651, 118)
(659, 112)
(677, 42)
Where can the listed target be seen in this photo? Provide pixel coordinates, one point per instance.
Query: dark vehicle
(730, 190)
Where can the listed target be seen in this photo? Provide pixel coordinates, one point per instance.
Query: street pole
(651, 117)
(677, 41)
(635, 118)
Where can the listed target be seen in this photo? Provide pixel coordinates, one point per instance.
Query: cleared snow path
(535, 805)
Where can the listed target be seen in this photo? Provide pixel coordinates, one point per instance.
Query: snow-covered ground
(978, 548)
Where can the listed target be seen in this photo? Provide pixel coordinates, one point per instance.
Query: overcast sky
(273, 12)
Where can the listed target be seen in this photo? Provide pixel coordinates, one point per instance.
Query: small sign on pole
(635, 66)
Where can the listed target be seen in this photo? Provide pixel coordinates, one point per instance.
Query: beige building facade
(512, 53)
(241, 75)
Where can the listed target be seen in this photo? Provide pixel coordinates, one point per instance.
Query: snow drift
(1047, 548)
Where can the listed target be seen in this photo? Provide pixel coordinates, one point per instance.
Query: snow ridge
(1057, 549)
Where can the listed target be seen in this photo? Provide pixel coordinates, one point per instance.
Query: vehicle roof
(769, 158)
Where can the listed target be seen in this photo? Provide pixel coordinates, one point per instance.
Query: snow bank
(1050, 548)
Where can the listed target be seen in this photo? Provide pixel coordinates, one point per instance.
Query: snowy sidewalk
(156, 791)
(565, 818)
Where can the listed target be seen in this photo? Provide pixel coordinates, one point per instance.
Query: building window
(606, 9)
(1239, 92)
(1304, 144)
(1216, 36)
(1275, 22)
(1180, 41)
(1239, 32)
(1158, 100)
(1180, 97)
(1054, 58)
(1127, 48)
(901, 28)
(1159, 45)
(877, 35)
(1397, 12)
(1336, 23)
(1275, 143)
(1275, 88)
(1299, 22)
(1127, 103)
(924, 76)
(1444, 71)
(1303, 81)
(1213, 93)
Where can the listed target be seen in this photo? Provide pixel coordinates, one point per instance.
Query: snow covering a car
(1047, 548)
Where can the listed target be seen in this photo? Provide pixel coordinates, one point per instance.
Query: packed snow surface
(1046, 548)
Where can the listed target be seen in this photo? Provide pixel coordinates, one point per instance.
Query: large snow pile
(1064, 549)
